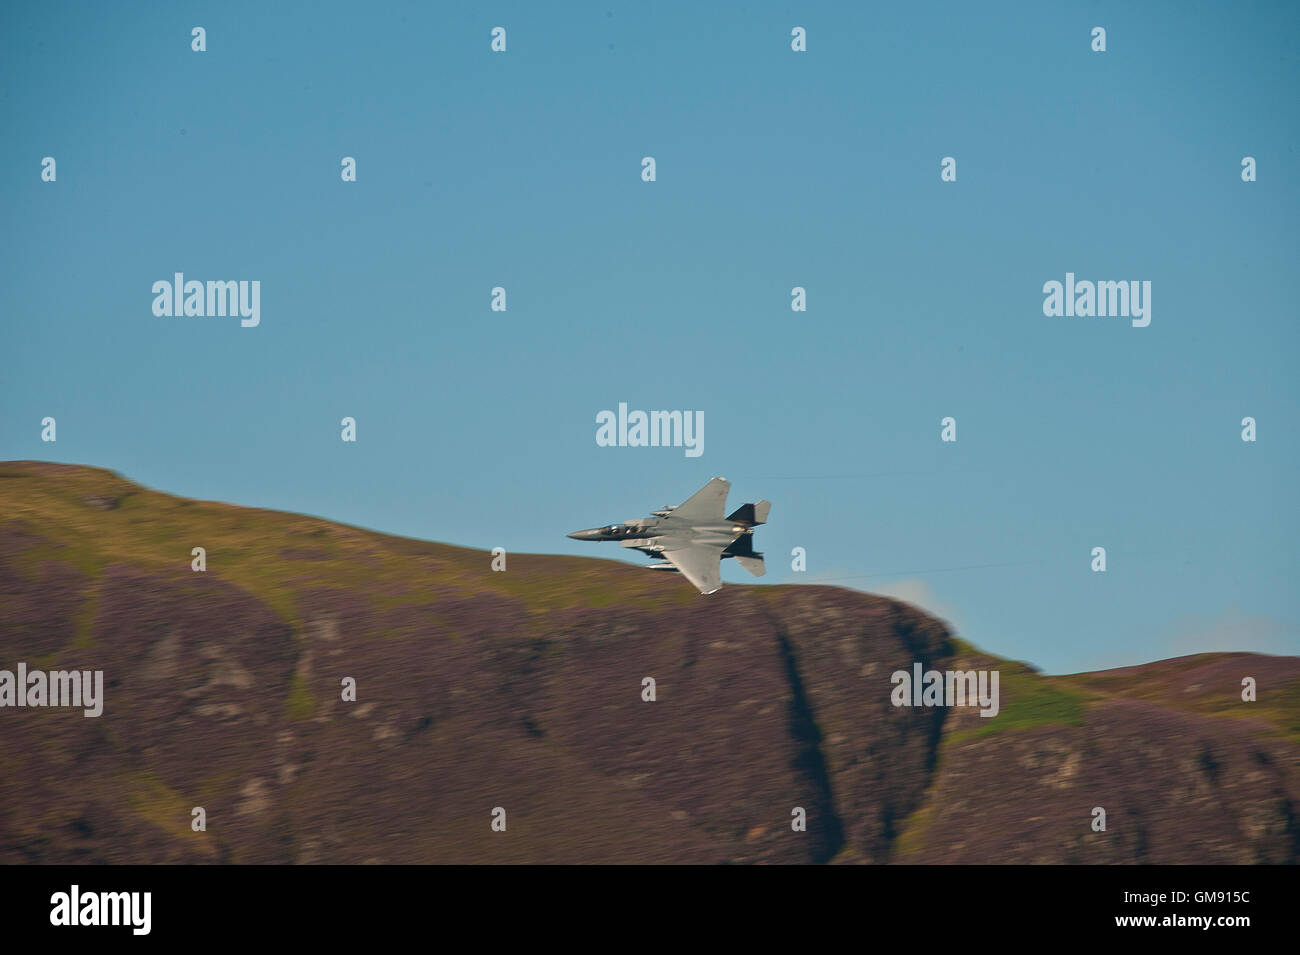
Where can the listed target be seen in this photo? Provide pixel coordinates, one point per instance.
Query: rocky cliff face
(523, 690)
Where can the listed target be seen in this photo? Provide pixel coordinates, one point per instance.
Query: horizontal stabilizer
(752, 564)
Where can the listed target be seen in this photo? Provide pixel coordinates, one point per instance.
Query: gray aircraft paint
(694, 537)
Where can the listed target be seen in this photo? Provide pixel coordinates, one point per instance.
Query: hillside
(522, 690)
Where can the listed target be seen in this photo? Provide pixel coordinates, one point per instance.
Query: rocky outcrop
(524, 691)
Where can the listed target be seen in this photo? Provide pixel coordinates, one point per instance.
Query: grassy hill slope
(523, 690)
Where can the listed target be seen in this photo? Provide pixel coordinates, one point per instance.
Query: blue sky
(774, 169)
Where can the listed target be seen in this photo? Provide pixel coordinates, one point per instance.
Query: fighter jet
(693, 537)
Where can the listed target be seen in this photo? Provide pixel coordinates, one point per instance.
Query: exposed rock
(522, 690)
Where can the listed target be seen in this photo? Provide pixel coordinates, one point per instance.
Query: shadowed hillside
(523, 690)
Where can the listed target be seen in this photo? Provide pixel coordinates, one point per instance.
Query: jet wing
(699, 564)
(709, 503)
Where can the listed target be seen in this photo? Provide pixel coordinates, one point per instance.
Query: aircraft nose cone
(588, 535)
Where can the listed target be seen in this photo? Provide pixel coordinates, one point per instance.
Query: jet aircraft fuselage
(694, 536)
